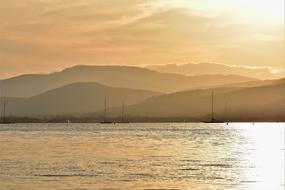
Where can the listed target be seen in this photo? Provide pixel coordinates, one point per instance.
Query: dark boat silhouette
(213, 119)
(123, 116)
(3, 119)
(105, 121)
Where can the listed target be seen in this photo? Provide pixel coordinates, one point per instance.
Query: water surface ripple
(142, 156)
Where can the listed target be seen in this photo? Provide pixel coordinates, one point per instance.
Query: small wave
(217, 165)
(189, 169)
(67, 175)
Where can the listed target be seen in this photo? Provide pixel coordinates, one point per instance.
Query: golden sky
(47, 35)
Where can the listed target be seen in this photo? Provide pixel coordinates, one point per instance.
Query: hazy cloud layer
(46, 35)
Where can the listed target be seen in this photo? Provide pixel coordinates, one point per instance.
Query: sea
(142, 156)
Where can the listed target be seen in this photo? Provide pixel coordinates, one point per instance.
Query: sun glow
(50, 34)
(252, 11)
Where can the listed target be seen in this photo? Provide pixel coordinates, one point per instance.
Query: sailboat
(226, 113)
(3, 119)
(105, 121)
(213, 120)
(123, 119)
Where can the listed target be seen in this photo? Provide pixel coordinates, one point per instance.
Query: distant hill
(250, 84)
(75, 99)
(213, 69)
(117, 76)
(263, 103)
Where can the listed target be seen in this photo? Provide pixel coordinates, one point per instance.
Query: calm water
(142, 156)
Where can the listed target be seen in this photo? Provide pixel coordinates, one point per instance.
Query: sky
(40, 36)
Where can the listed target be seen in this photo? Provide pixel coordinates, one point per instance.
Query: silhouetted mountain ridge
(262, 103)
(214, 68)
(75, 99)
(116, 76)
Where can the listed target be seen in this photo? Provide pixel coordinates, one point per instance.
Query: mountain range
(261, 103)
(214, 69)
(117, 76)
(82, 90)
(75, 99)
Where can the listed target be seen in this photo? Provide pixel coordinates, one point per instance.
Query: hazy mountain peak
(116, 76)
(78, 98)
(116, 68)
(260, 72)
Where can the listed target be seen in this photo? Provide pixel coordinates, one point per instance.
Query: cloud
(45, 34)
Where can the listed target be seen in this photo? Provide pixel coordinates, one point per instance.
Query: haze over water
(142, 156)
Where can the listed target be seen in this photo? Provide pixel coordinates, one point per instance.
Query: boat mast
(105, 109)
(212, 105)
(226, 112)
(123, 111)
(4, 111)
(2, 101)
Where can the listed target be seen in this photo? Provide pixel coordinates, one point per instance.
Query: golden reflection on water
(265, 155)
(142, 156)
